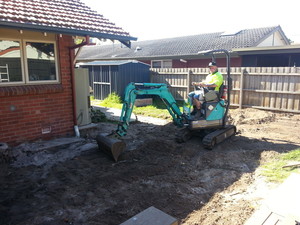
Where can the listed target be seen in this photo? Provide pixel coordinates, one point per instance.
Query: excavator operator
(213, 82)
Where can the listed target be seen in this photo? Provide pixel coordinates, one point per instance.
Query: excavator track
(216, 137)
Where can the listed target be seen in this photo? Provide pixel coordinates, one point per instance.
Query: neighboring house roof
(59, 16)
(181, 46)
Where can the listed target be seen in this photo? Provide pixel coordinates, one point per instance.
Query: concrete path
(114, 114)
(281, 206)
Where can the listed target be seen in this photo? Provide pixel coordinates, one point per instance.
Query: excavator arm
(151, 89)
(111, 144)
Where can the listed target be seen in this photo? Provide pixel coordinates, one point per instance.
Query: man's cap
(212, 64)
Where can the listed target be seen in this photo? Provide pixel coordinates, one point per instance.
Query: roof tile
(178, 46)
(65, 14)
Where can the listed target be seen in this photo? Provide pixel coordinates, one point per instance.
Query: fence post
(188, 81)
(241, 88)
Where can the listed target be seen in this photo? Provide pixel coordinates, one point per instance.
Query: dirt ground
(77, 184)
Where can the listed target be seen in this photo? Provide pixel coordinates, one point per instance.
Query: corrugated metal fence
(271, 88)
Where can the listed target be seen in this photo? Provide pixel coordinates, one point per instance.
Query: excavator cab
(210, 126)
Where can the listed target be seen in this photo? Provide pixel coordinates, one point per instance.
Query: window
(156, 64)
(161, 63)
(40, 61)
(10, 61)
(27, 62)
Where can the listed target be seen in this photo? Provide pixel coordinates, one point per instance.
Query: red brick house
(37, 55)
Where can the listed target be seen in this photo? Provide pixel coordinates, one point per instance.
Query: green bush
(97, 116)
(111, 100)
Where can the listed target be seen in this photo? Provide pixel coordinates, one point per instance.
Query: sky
(156, 19)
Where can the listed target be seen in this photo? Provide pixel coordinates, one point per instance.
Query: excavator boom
(139, 89)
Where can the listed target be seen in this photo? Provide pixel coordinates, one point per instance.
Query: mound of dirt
(186, 181)
(251, 116)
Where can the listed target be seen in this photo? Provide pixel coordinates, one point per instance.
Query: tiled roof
(62, 16)
(178, 46)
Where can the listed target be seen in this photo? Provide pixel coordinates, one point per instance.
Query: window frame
(162, 63)
(24, 62)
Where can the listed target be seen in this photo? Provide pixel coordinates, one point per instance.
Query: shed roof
(180, 46)
(59, 16)
(110, 63)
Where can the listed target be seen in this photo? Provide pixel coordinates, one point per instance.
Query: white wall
(274, 39)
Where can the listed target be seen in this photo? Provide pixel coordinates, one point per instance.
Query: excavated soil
(78, 184)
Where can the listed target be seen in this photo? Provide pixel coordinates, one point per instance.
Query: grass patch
(158, 109)
(112, 101)
(274, 171)
(152, 111)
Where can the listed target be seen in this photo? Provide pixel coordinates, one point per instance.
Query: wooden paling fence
(270, 88)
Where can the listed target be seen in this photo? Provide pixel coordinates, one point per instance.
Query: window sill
(30, 90)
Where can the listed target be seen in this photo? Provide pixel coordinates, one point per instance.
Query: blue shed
(113, 76)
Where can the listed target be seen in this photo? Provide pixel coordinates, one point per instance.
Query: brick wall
(32, 112)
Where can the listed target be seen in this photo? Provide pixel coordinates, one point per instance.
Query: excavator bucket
(110, 145)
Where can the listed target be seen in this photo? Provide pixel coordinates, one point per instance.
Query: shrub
(97, 116)
(111, 99)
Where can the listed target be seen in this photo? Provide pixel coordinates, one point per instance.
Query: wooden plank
(271, 92)
(241, 89)
(285, 96)
(291, 98)
(273, 219)
(246, 86)
(271, 109)
(277, 74)
(259, 217)
(274, 90)
(188, 82)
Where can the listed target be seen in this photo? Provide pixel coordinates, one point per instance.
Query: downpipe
(72, 65)
(76, 129)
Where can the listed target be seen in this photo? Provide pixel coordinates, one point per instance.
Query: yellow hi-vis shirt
(215, 78)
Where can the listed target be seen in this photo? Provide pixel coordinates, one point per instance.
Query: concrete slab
(285, 199)
(49, 144)
(49, 153)
(281, 206)
(113, 114)
(151, 216)
(143, 102)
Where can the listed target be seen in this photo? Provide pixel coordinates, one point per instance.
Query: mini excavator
(211, 126)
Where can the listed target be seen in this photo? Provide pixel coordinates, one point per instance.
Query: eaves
(267, 50)
(22, 26)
